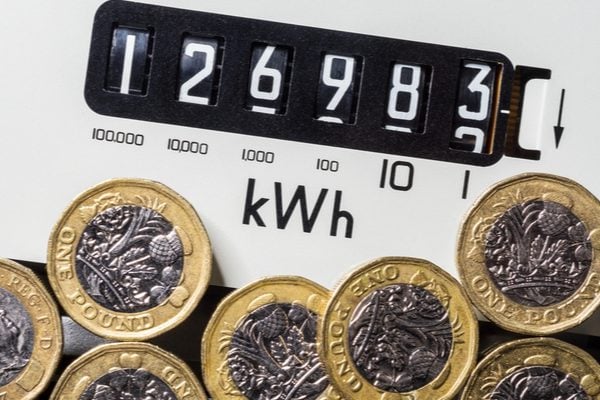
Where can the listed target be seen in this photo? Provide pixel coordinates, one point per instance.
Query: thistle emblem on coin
(398, 328)
(129, 258)
(534, 369)
(401, 337)
(273, 354)
(538, 383)
(538, 253)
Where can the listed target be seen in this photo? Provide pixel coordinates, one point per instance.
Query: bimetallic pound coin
(535, 369)
(528, 254)
(30, 333)
(399, 328)
(128, 371)
(129, 259)
(261, 342)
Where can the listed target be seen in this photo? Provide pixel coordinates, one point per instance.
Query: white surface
(48, 156)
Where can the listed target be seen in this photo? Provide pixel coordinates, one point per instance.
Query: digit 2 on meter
(199, 69)
(287, 82)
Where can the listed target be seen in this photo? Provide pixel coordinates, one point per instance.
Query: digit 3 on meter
(302, 84)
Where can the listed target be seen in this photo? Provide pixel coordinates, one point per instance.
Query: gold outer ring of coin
(380, 273)
(233, 310)
(509, 357)
(113, 357)
(131, 326)
(47, 331)
(473, 272)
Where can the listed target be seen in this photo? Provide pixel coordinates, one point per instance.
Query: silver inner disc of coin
(129, 258)
(16, 337)
(539, 383)
(273, 354)
(538, 253)
(400, 337)
(128, 384)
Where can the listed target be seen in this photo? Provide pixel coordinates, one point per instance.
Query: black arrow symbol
(558, 129)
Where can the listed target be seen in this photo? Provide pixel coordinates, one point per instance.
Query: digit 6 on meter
(269, 79)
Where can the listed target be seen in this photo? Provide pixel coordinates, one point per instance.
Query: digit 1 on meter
(475, 108)
(338, 89)
(199, 70)
(129, 61)
(407, 95)
(268, 86)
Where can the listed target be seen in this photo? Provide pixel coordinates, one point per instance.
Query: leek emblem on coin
(129, 259)
(30, 333)
(527, 254)
(537, 369)
(399, 328)
(261, 342)
(128, 371)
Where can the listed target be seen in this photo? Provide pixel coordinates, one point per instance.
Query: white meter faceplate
(310, 137)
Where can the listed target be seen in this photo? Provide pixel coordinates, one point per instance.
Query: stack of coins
(261, 342)
(399, 327)
(130, 260)
(402, 328)
(527, 255)
(395, 325)
(30, 333)
(535, 368)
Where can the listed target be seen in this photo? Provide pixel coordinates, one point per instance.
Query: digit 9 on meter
(199, 69)
(339, 83)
